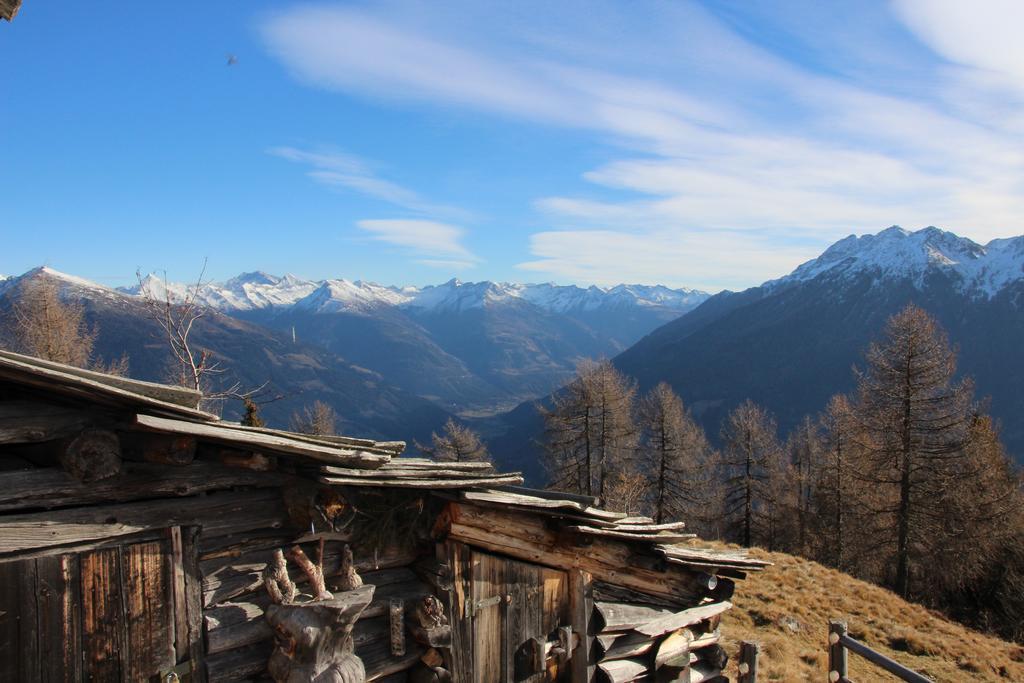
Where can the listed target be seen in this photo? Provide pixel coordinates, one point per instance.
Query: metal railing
(840, 642)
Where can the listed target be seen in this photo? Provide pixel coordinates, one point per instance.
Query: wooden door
(106, 614)
(506, 606)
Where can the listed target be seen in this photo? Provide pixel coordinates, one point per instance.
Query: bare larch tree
(751, 453)
(456, 443)
(679, 462)
(916, 422)
(804, 447)
(318, 419)
(589, 430)
(177, 316)
(50, 327)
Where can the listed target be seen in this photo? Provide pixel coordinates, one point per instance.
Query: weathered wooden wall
(236, 518)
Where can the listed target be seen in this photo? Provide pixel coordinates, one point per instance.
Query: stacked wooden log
(638, 641)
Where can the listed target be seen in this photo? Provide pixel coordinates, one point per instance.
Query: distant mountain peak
(896, 253)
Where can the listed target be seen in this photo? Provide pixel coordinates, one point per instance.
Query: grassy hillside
(787, 607)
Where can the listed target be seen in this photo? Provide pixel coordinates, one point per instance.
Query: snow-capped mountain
(790, 343)
(245, 292)
(258, 290)
(895, 253)
(463, 345)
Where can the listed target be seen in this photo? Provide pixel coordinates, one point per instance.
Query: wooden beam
(35, 421)
(258, 441)
(581, 610)
(526, 537)
(215, 513)
(49, 487)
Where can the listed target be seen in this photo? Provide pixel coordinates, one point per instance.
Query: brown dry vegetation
(786, 609)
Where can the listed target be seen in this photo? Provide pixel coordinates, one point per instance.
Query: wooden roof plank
(710, 556)
(187, 398)
(269, 443)
(660, 536)
(76, 385)
(423, 482)
(520, 500)
(391, 448)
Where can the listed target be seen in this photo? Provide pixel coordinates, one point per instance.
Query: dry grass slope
(787, 607)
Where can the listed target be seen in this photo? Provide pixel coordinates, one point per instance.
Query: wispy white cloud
(346, 171)
(431, 243)
(727, 145)
(706, 260)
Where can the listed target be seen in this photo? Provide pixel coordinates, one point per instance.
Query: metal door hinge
(474, 607)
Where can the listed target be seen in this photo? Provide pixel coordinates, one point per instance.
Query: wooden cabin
(142, 538)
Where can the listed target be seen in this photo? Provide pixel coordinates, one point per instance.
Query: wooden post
(837, 669)
(581, 609)
(748, 662)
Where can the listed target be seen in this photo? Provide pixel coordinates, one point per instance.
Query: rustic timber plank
(581, 608)
(193, 602)
(687, 617)
(102, 617)
(216, 513)
(713, 557)
(390, 448)
(644, 528)
(658, 536)
(272, 443)
(622, 670)
(187, 398)
(487, 591)
(93, 387)
(49, 487)
(19, 654)
(59, 605)
(427, 463)
(616, 616)
(36, 421)
(518, 499)
(148, 603)
(390, 471)
(421, 482)
(457, 556)
(525, 537)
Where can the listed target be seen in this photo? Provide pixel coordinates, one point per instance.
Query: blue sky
(712, 145)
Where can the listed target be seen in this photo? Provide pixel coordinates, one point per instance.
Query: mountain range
(394, 362)
(790, 343)
(471, 348)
